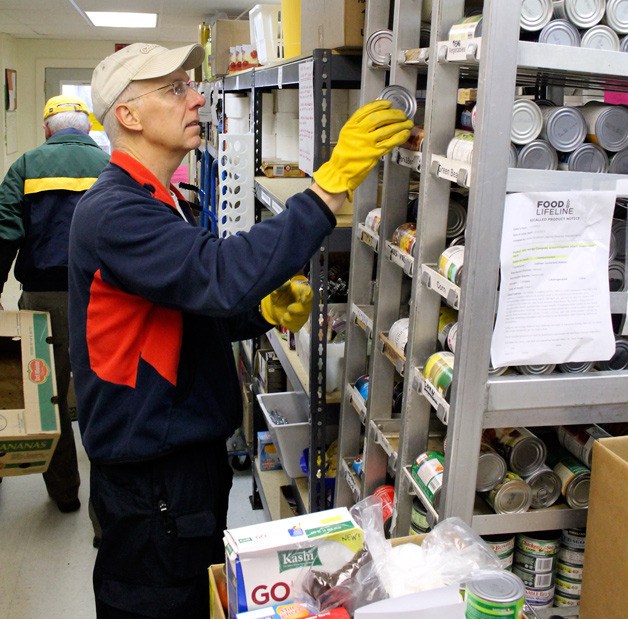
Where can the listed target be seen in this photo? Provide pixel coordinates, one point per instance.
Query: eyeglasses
(178, 89)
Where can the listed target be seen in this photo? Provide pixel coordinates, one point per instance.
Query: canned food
(511, 496)
(581, 13)
(386, 496)
(373, 219)
(527, 121)
(418, 517)
(619, 161)
(575, 367)
(405, 237)
(491, 468)
(467, 117)
(524, 452)
(541, 544)
(532, 580)
(623, 44)
(539, 598)
(535, 369)
(537, 155)
(585, 158)
(568, 586)
(571, 556)
(572, 572)
(503, 545)
(450, 263)
(456, 215)
(574, 539)
(617, 275)
(443, 335)
(494, 593)
(467, 28)
(563, 127)
(545, 486)
(534, 563)
(513, 154)
(607, 125)
(492, 371)
(619, 360)
(415, 141)
(398, 334)
(561, 600)
(579, 440)
(401, 99)
(600, 37)
(616, 16)
(535, 14)
(452, 336)
(379, 48)
(575, 478)
(439, 370)
(427, 471)
(362, 386)
(460, 147)
(560, 32)
(446, 318)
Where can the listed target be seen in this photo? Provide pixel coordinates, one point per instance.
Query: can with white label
(379, 48)
(467, 28)
(540, 543)
(535, 563)
(491, 468)
(563, 601)
(571, 556)
(527, 121)
(573, 572)
(533, 580)
(460, 147)
(451, 262)
(535, 14)
(574, 538)
(560, 32)
(619, 161)
(566, 586)
(581, 13)
(503, 545)
(579, 440)
(538, 155)
(524, 452)
(539, 598)
(585, 158)
(600, 37)
(563, 127)
(616, 16)
(511, 496)
(607, 125)
(545, 486)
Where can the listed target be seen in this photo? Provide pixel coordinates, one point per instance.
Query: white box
(287, 101)
(264, 24)
(265, 560)
(334, 366)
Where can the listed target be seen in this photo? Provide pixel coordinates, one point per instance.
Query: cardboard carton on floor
(605, 557)
(29, 415)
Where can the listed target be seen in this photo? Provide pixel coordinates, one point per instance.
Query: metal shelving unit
(499, 62)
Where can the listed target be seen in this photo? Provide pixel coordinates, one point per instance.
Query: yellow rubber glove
(290, 305)
(372, 131)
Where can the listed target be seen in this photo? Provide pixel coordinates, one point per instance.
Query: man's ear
(128, 117)
(47, 132)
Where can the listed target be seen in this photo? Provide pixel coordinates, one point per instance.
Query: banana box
(265, 561)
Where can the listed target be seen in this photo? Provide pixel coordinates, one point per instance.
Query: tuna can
(418, 517)
(494, 593)
(576, 479)
(427, 471)
(619, 360)
(545, 486)
(373, 219)
(401, 99)
(579, 440)
(503, 545)
(539, 598)
(527, 121)
(616, 16)
(537, 155)
(492, 371)
(405, 237)
(491, 468)
(568, 586)
(581, 13)
(450, 263)
(560, 32)
(532, 580)
(534, 563)
(513, 154)
(535, 14)
(439, 370)
(575, 367)
(562, 601)
(535, 369)
(563, 127)
(379, 48)
(619, 161)
(460, 147)
(623, 44)
(467, 28)
(607, 125)
(571, 556)
(617, 276)
(600, 37)
(585, 158)
(398, 334)
(524, 452)
(456, 215)
(572, 572)
(574, 539)
(541, 544)
(511, 496)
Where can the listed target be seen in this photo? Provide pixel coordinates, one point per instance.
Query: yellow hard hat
(64, 103)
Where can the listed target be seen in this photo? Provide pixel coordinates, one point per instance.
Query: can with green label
(427, 471)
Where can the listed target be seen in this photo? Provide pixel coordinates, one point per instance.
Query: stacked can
(619, 360)
(439, 371)
(523, 451)
(419, 523)
(575, 477)
(503, 545)
(427, 471)
(450, 263)
(510, 496)
(534, 562)
(405, 237)
(579, 440)
(545, 485)
(448, 317)
(460, 147)
(569, 568)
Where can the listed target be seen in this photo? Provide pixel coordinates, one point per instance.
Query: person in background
(155, 303)
(37, 200)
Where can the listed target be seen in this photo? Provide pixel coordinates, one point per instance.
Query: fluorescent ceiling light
(112, 19)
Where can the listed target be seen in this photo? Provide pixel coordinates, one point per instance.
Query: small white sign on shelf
(306, 117)
(554, 299)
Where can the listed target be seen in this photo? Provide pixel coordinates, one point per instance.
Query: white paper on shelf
(306, 117)
(554, 300)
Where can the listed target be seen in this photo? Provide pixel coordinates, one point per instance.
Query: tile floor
(46, 558)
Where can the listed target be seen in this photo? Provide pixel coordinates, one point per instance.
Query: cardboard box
(267, 453)
(227, 33)
(29, 415)
(332, 24)
(288, 507)
(606, 550)
(217, 579)
(270, 372)
(265, 560)
(277, 168)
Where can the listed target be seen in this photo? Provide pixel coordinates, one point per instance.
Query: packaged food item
(405, 237)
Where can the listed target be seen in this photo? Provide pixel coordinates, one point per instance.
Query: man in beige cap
(155, 302)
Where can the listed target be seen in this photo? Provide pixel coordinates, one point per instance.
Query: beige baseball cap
(138, 61)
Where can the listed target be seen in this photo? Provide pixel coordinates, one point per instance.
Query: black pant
(162, 527)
